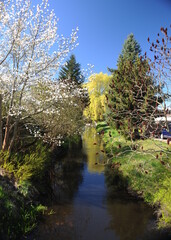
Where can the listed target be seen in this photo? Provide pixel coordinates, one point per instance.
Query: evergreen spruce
(131, 49)
(132, 92)
(72, 71)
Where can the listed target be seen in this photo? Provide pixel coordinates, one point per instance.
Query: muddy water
(83, 208)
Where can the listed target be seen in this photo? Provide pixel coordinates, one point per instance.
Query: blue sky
(105, 24)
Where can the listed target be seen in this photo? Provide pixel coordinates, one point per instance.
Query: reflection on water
(129, 219)
(67, 176)
(83, 207)
(93, 148)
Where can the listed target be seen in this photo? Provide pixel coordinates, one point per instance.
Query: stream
(83, 207)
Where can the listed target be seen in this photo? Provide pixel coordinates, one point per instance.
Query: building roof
(163, 119)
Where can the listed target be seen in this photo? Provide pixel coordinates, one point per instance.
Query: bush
(163, 197)
(16, 217)
(27, 167)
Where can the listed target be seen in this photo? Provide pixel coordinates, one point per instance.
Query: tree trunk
(6, 137)
(14, 137)
(0, 122)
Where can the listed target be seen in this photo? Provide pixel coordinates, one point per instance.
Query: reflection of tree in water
(65, 180)
(56, 226)
(114, 179)
(67, 175)
(93, 147)
(106, 215)
(131, 219)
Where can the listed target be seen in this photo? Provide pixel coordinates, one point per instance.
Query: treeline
(131, 98)
(39, 108)
(34, 103)
(126, 106)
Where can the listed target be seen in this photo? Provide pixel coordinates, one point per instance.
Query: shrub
(163, 197)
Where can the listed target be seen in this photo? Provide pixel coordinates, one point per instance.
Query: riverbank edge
(24, 206)
(155, 200)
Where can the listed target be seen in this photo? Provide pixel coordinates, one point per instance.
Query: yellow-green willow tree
(97, 86)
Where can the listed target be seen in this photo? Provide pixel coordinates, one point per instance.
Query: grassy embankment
(23, 178)
(21, 182)
(147, 169)
(18, 215)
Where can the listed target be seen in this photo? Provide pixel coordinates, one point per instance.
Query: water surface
(84, 208)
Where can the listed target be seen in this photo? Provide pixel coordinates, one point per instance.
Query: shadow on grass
(102, 127)
(116, 151)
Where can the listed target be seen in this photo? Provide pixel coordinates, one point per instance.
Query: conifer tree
(72, 71)
(132, 92)
(130, 50)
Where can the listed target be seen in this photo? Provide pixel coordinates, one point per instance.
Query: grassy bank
(146, 165)
(24, 180)
(18, 215)
(22, 177)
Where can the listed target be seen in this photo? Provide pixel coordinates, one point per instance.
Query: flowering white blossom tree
(31, 51)
(61, 115)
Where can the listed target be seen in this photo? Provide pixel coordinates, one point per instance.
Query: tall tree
(0, 122)
(28, 34)
(71, 73)
(72, 70)
(97, 88)
(130, 50)
(132, 92)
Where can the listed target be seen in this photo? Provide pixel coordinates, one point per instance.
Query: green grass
(146, 164)
(17, 216)
(27, 168)
(101, 126)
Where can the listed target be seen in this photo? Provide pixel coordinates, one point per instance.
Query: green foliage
(34, 164)
(25, 187)
(132, 93)
(73, 139)
(17, 218)
(131, 49)
(29, 216)
(4, 157)
(163, 197)
(102, 126)
(27, 168)
(148, 176)
(64, 117)
(1, 192)
(72, 70)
